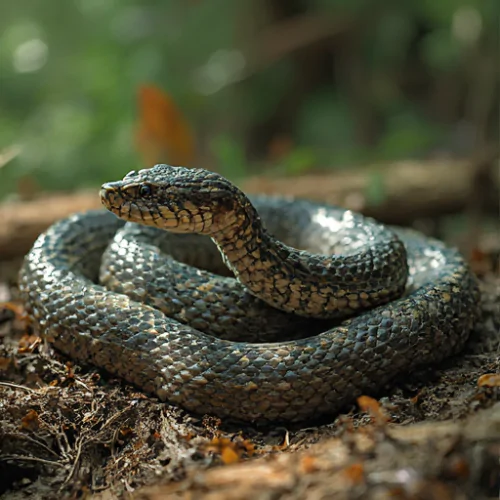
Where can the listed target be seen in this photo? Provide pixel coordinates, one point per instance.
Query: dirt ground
(70, 431)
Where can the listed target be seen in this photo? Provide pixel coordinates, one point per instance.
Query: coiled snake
(409, 300)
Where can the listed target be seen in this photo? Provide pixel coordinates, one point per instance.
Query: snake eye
(145, 190)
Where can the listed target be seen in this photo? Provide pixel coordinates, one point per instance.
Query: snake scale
(309, 306)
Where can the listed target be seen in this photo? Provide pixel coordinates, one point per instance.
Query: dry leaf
(30, 421)
(230, 451)
(355, 473)
(229, 455)
(489, 380)
(372, 406)
(28, 343)
(4, 364)
(163, 135)
(309, 464)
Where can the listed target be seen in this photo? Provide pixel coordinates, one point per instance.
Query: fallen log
(398, 193)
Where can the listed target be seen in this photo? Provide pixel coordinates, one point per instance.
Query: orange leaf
(229, 455)
(30, 421)
(372, 406)
(309, 464)
(489, 380)
(355, 472)
(4, 364)
(163, 135)
(28, 343)
(230, 451)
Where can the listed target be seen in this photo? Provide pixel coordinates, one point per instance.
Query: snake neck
(322, 286)
(242, 239)
(249, 251)
(266, 267)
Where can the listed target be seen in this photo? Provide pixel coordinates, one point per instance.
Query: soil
(71, 431)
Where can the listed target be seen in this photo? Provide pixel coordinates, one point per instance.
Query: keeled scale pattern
(288, 381)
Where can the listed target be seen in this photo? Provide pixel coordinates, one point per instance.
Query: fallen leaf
(28, 343)
(30, 421)
(229, 455)
(355, 473)
(309, 464)
(489, 380)
(4, 364)
(372, 406)
(230, 451)
(163, 134)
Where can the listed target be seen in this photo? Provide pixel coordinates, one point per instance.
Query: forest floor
(72, 431)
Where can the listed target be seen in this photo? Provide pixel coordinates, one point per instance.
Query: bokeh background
(90, 89)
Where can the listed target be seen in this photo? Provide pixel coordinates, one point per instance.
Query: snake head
(178, 199)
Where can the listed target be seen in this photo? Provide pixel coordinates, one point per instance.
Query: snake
(254, 308)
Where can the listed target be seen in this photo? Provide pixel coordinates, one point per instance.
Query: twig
(32, 459)
(17, 386)
(9, 153)
(83, 384)
(31, 440)
(76, 460)
(115, 417)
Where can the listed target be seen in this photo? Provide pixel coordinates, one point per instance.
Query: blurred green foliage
(394, 79)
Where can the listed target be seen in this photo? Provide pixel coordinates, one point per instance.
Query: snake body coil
(409, 300)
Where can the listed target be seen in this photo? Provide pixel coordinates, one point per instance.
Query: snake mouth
(112, 199)
(107, 196)
(159, 215)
